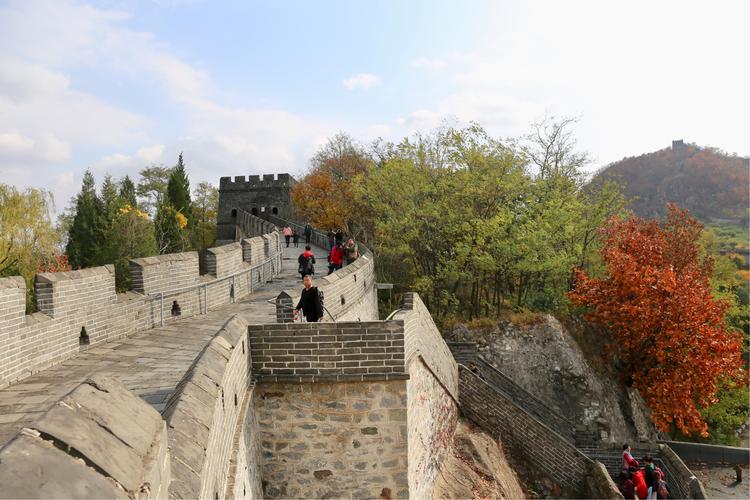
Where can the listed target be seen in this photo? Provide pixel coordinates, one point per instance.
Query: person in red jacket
(336, 258)
(639, 480)
(627, 459)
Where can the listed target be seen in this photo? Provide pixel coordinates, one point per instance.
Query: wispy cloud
(362, 81)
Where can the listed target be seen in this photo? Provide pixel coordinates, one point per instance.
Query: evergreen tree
(110, 198)
(127, 192)
(87, 232)
(178, 191)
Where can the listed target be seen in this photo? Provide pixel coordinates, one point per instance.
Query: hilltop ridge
(707, 181)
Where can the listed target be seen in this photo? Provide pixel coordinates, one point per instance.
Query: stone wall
(332, 440)
(204, 416)
(99, 441)
(79, 309)
(159, 273)
(432, 415)
(423, 339)
(307, 352)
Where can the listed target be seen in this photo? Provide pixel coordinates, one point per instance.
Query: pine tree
(127, 191)
(87, 232)
(178, 191)
(109, 198)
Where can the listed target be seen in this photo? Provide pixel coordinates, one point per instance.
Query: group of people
(339, 254)
(293, 235)
(647, 482)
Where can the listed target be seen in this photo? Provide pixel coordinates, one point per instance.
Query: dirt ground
(720, 481)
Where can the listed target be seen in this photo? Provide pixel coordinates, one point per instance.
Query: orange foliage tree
(667, 331)
(325, 196)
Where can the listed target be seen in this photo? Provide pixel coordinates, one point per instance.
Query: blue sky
(256, 87)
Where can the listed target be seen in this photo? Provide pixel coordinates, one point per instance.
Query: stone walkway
(150, 363)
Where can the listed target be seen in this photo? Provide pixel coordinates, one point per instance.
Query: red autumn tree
(667, 331)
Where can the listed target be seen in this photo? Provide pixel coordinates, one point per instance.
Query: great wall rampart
(351, 407)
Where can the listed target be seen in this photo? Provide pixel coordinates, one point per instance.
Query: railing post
(205, 299)
(161, 308)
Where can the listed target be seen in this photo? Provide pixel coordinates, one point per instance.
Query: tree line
(476, 225)
(120, 221)
(481, 227)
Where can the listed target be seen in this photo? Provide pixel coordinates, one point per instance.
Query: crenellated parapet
(242, 183)
(80, 309)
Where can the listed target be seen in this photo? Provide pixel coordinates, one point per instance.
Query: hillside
(706, 181)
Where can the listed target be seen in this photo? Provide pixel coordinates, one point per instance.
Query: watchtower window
(275, 211)
(262, 209)
(234, 213)
(254, 211)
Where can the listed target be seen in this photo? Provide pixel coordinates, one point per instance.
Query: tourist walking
(306, 262)
(351, 251)
(287, 234)
(295, 238)
(335, 258)
(627, 459)
(331, 240)
(310, 302)
(308, 233)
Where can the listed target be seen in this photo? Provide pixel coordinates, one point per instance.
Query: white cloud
(362, 81)
(44, 117)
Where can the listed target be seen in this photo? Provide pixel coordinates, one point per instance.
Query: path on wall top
(150, 363)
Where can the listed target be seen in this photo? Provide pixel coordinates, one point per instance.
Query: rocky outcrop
(475, 467)
(545, 360)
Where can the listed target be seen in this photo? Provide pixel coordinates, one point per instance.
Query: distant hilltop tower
(255, 195)
(678, 145)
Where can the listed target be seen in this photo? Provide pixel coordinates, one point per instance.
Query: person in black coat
(309, 302)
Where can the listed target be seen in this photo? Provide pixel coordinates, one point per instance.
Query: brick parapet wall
(115, 444)
(432, 416)
(422, 338)
(86, 299)
(225, 260)
(526, 400)
(528, 439)
(316, 352)
(158, 273)
(203, 414)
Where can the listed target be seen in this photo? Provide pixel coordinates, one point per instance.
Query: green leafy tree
(170, 229)
(205, 209)
(178, 191)
(27, 236)
(152, 186)
(86, 237)
(131, 234)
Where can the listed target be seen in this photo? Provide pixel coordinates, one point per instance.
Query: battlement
(239, 182)
(80, 309)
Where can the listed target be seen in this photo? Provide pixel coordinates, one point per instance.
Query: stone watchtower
(259, 196)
